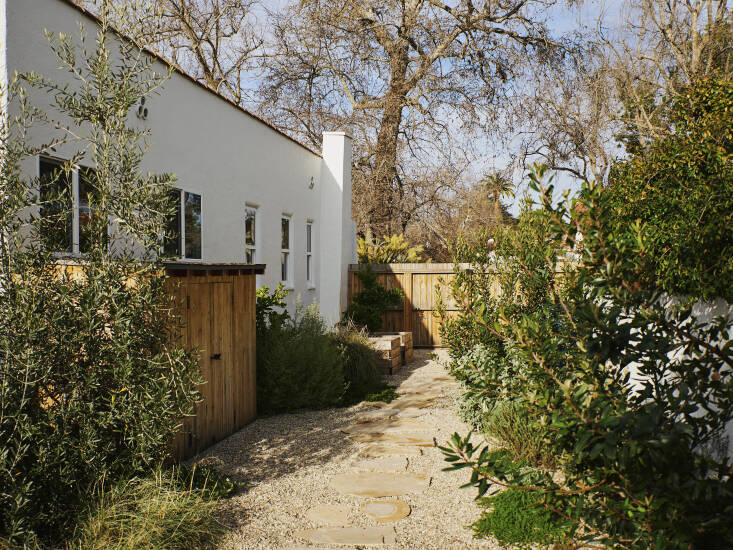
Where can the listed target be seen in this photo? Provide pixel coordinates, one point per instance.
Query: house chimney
(337, 231)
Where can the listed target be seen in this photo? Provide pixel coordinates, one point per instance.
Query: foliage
(299, 365)
(91, 384)
(518, 517)
(270, 309)
(360, 363)
(151, 512)
(681, 188)
(372, 301)
(394, 249)
(631, 384)
(210, 482)
(385, 395)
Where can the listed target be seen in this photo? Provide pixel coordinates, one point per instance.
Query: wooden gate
(217, 306)
(421, 284)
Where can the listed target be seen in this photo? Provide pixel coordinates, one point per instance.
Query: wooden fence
(421, 284)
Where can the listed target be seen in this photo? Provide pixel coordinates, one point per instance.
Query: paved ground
(310, 484)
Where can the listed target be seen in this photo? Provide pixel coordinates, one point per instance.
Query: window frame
(310, 279)
(181, 237)
(253, 209)
(74, 245)
(286, 254)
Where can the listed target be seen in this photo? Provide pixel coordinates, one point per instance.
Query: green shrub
(371, 302)
(386, 395)
(92, 387)
(634, 452)
(157, 512)
(360, 364)
(520, 432)
(394, 249)
(299, 365)
(517, 517)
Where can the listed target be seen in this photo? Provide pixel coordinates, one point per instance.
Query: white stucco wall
(228, 157)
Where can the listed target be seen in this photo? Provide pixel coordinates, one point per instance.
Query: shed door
(209, 319)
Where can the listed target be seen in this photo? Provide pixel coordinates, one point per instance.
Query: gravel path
(286, 463)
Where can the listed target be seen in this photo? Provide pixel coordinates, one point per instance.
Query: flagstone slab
(382, 464)
(418, 439)
(376, 450)
(379, 484)
(398, 425)
(387, 510)
(412, 402)
(328, 514)
(367, 536)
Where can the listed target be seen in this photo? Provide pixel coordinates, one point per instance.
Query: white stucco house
(249, 193)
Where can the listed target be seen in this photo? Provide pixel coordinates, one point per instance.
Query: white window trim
(75, 210)
(289, 283)
(310, 281)
(252, 247)
(182, 217)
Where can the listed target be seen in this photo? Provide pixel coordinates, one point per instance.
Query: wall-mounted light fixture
(142, 110)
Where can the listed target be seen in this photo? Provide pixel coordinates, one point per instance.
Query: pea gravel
(285, 463)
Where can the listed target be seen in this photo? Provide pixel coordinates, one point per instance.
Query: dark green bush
(299, 365)
(360, 364)
(386, 395)
(371, 302)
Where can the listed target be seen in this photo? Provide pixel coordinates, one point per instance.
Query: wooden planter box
(390, 353)
(405, 343)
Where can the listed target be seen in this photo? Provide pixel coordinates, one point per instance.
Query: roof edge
(183, 73)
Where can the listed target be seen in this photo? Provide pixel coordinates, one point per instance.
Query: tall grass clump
(360, 363)
(161, 511)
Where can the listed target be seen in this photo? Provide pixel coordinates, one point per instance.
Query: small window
(183, 230)
(285, 257)
(309, 253)
(250, 235)
(56, 196)
(88, 225)
(193, 225)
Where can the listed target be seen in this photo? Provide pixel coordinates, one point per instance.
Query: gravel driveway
(286, 464)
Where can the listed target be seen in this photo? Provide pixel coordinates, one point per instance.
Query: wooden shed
(217, 305)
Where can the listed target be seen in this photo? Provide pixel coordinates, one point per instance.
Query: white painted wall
(228, 157)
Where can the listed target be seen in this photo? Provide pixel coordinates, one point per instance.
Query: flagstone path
(367, 476)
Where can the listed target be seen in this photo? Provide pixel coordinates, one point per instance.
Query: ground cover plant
(632, 387)
(92, 387)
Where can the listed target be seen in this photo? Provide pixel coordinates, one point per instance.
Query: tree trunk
(386, 208)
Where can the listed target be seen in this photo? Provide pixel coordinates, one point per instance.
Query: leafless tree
(213, 41)
(411, 78)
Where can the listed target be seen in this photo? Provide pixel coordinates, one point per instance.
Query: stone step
(379, 484)
(362, 536)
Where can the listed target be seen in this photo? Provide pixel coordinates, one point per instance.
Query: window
(285, 257)
(56, 196)
(192, 234)
(309, 253)
(67, 197)
(250, 235)
(183, 230)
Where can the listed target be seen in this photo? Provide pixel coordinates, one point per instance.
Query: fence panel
(420, 283)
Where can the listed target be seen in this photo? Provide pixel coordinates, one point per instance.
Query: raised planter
(390, 353)
(405, 343)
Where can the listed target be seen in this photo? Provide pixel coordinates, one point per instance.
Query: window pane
(87, 186)
(250, 256)
(56, 210)
(284, 266)
(193, 225)
(308, 268)
(308, 232)
(286, 234)
(172, 241)
(249, 227)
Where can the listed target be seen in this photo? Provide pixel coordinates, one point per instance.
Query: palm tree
(498, 187)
